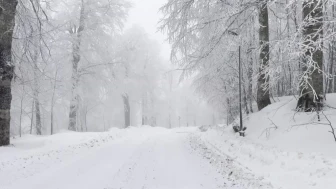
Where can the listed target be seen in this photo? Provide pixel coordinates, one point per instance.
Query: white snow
(153, 158)
(298, 154)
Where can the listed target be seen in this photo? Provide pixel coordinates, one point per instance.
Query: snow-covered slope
(291, 150)
(296, 131)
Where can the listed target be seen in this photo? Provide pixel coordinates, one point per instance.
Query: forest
(287, 49)
(67, 64)
(74, 65)
(167, 94)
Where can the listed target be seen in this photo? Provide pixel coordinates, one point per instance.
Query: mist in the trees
(80, 66)
(167, 94)
(85, 66)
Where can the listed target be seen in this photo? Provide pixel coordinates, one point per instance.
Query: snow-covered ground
(134, 158)
(288, 149)
(282, 149)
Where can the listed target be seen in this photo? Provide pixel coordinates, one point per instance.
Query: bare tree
(76, 43)
(263, 96)
(7, 22)
(127, 110)
(312, 79)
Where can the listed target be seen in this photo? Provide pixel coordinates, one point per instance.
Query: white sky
(145, 13)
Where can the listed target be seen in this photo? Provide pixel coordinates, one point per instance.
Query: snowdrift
(290, 149)
(281, 126)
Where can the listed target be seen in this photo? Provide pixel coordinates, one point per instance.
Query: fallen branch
(319, 123)
(268, 130)
(332, 128)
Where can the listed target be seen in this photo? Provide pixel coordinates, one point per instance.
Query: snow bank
(279, 125)
(290, 150)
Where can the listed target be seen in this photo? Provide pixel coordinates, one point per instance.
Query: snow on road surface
(146, 158)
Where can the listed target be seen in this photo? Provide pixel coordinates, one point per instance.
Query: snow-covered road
(162, 160)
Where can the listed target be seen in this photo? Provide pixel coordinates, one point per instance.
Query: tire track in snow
(240, 176)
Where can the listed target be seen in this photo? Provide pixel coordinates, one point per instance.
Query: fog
(93, 65)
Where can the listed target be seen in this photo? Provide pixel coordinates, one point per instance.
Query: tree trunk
(245, 101)
(250, 67)
(263, 96)
(38, 123)
(250, 86)
(333, 81)
(329, 80)
(313, 31)
(127, 110)
(75, 61)
(32, 118)
(144, 109)
(170, 79)
(85, 118)
(312, 90)
(290, 91)
(21, 110)
(52, 105)
(38, 118)
(230, 118)
(7, 22)
(332, 71)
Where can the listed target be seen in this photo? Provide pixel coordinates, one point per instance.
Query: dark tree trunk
(21, 111)
(312, 34)
(38, 123)
(127, 110)
(333, 44)
(52, 105)
(250, 68)
(290, 91)
(245, 101)
(38, 117)
(144, 109)
(250, 86)
(32, 117)
(331, 68)
(75, 61)
(229, 116)
(263, 96)
(244, 94)
(7, 22)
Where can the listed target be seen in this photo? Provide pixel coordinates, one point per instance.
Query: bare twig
(267, 131)
(332, 128)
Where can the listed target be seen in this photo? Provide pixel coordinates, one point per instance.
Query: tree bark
(290, 91)
(127, 110)
(313, 32)
(75, 61)
(52, 105)
(7, 23)
(229, 118)
(38, 123)
(250, 86)
(333, 46)
(331, 68)
(245, 101)
(312, 89)
(263, 96)
(32, 117)
(21, 110)
(144, 109)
